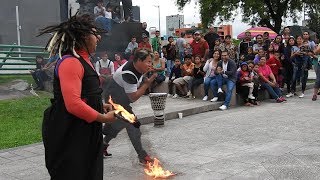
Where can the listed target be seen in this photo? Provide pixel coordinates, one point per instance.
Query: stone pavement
(271, 141)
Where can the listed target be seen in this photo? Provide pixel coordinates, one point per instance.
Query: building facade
(33, 15)
(174, 22)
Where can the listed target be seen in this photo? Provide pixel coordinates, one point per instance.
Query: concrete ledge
(189, 106)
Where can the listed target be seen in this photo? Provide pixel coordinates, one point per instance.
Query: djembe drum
(158, 104)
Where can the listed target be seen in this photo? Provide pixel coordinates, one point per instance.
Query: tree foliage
(314, 19)
(268, 13)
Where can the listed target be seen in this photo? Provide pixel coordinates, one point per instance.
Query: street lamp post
(158, 6)
(18, 28)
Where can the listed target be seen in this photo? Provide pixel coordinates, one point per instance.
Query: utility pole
(18, 28)
(158, 6)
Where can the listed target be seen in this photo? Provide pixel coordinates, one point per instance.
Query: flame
(154, 169)
(123, 112)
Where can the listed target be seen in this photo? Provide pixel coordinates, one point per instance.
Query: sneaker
(105, 152)
(251, 96)
(289, 95)
(220, 90)
(301, 96)
(215, 99)
(223, 107)
(279, 100)
(175, 96)
(314, 97)
(145, 160)
(189, 94)
(283, 99)
(205, 98)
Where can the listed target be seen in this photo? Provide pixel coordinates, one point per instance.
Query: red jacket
(274, 64)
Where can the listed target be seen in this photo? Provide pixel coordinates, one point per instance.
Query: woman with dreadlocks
(72, 125)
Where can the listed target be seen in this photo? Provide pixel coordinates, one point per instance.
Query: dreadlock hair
(70, 35)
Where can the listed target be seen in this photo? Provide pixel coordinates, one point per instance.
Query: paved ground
(271, 141)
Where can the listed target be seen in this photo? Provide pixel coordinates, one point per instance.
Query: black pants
(288, 74)
(39, 78)
(195, 83)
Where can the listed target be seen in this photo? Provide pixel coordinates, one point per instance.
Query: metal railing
(19, 59)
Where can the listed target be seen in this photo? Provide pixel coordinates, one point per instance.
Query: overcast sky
(149, 14)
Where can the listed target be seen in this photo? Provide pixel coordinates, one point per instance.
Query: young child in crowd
(198, 76)
(250, 56)
(175, 73)
(188, 49)
(245, 78)
(275, 65)
(218, 45)
(187, 76)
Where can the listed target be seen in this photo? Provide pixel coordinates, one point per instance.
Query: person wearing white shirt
(104, 66)
(131, 46)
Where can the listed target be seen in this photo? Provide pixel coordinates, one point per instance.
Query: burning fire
(123, 112)
(154, 169)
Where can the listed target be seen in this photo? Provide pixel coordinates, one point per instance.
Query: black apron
(73, 147)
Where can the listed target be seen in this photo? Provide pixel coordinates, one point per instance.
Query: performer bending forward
(126, 87)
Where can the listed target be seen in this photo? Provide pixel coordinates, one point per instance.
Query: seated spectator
(229, 77)
(49, 67)
(38, 74)
(144, 44)
(258, 56)
(212, 76)
(131, 57)
(268, 81)
(103, 22)
(187, 76)
(131, 46)
(245, 84)
(198, 75)
(254, 69)
(176, 71)
(158, 65)
(275, 65)
(104, 67)
(99, 8)
(118, 61)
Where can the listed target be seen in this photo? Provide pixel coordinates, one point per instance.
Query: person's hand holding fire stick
(108, 115)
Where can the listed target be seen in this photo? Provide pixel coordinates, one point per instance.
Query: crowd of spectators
(256, 63)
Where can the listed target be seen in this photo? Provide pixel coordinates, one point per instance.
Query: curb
(148, 119)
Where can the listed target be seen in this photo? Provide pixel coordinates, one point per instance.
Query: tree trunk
(277, 24)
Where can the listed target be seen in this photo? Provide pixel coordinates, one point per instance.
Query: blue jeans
(275, 92)
(230, 85)
(298, 72)
(181, 56)
(208, 82)
(104, 23)
(170, 64)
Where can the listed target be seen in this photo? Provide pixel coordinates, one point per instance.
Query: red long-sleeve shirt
(274, 64)
(71, 73)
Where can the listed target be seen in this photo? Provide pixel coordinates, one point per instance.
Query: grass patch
(8, 78)
(21, 120)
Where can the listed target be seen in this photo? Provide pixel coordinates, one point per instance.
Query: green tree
(268, 13)
(314, 19)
